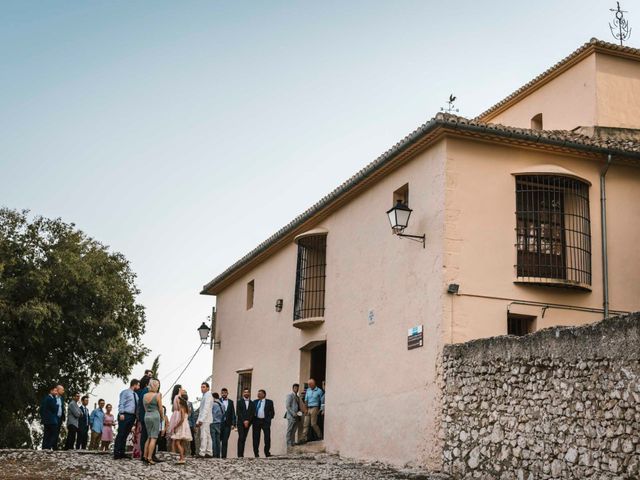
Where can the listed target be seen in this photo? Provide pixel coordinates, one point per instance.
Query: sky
(184, 133)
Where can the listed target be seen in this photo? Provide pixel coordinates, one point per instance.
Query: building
(510, 205)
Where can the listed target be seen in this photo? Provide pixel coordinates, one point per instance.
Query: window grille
(553, 230)
(310, 277)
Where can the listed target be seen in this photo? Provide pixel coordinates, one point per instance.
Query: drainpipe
(603, 230)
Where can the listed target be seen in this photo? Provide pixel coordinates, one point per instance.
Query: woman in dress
(107, 429)
(177, 391)
(180, 432)
(152, 402)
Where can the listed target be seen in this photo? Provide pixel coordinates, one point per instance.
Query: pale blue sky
(184, 133)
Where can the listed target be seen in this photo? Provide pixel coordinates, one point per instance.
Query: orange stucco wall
(618, 92)
(566, 102)
(479, 239)
(602, 90)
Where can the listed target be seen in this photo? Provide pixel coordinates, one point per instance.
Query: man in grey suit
(292, 404)
(73, 416)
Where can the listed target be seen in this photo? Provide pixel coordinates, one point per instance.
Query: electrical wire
(183, 370)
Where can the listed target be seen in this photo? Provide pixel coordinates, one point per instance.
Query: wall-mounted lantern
(204, 330)
(279, 303)
(399, 218)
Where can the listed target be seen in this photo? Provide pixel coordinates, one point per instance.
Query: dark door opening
(318, 371)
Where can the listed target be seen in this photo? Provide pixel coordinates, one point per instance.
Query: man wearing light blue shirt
(218, 415)
(127, 412)
(314, 399)
(96, 419)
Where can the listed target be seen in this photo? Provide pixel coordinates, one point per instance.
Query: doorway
(314, 365)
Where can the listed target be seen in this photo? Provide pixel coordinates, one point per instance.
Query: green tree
(155, 366)
(68, 314)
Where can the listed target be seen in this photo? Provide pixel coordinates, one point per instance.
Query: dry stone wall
(560, 403)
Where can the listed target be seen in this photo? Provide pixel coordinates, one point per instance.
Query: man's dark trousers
(50, 436)
(261, 425)
(72, 432)
(242, 438)
(57, 434)
(124, 428)
(83, 437)
(225, 431)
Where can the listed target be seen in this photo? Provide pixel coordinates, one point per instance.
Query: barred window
(310, 277)
(553, 230)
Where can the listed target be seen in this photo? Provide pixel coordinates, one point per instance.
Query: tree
(68, 313)
(155, 366)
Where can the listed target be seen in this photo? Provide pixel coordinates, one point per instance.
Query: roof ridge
(585, 46)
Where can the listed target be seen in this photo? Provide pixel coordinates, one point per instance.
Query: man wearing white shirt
(204, 422)
(262, 423)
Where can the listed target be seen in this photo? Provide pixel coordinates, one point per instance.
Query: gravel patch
(36, 465)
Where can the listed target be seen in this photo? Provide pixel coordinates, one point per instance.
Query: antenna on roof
(620, 24)
(450, 106)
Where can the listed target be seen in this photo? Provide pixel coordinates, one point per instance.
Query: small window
(401, 194)
(520, 325)
(250, 293)
(244, 382)
(536, 122)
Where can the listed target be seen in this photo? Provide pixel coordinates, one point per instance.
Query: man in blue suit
(262, 423)
(49, 417)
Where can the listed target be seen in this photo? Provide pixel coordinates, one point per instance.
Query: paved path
(32, 464)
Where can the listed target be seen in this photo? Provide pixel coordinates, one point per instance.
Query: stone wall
(561, 403)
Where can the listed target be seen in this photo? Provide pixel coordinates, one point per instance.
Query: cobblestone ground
(31, 464)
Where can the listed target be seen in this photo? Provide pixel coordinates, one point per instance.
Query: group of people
(80, 423)
(142, 420)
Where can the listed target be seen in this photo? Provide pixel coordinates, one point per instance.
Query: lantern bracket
(415, 238)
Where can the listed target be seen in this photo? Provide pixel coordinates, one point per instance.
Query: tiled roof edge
(594, 42)
(559, 138)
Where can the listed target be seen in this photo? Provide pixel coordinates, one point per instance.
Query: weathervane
(620, 24)
(450, 107)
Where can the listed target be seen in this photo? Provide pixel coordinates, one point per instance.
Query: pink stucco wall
(379, 394)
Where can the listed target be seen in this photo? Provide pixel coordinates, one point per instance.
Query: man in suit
(73, 417)
(60, 412)
(262, 423)
(246, 411)
(205, 417)
(228, 421)
(83, 424)
(292, 404)
(49, 417)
